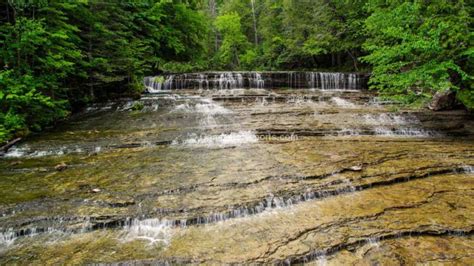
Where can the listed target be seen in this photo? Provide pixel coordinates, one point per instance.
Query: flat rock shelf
(222, 174)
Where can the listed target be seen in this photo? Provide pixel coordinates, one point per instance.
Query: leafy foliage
(418, 48)
(285, 34)
(234, 42)
(57, 56)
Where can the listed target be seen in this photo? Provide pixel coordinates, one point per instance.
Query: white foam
(230, 92)
(342, 103)
(262, 101)
(389, 119)
(468, 169)
(377, 101)
(16, 152)
(211, 109)
(184, 107)
(151, 230)
(373, 242)
(7, 238)
(300, 100)
(222, 140)
(208, 107)
(404, 132)
(26, 151)
(348, 132)
(322, 260)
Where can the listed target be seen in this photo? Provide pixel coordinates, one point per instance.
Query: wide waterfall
(258, 80)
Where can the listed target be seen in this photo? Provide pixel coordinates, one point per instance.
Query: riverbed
(243, 176)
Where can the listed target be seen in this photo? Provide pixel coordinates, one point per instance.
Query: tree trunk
(8, 12)
(9, 144)
(254, 22)
(213, 13)
(354, 60)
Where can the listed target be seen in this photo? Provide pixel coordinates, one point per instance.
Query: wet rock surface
(243, 176)
(443, 100)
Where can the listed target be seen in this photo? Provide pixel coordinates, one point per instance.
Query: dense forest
(58, 56)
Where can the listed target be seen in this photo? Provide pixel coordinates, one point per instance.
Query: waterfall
(203, 79)
(332, 81)
(157, 84)
(310, 78)
(229, 80)
(257, 81)
(352, 81)
(152, 230)
(239, 80)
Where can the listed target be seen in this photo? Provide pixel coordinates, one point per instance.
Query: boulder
(443, 100)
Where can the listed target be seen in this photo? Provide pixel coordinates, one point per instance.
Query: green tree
(417, 48)
(57, 56)
(312, 34)
(36, 56)
(234, 43)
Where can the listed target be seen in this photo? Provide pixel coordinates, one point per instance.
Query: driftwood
(7, 146)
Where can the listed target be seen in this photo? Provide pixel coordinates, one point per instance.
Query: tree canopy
(57, 56)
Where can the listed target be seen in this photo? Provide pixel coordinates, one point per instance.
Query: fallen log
(7, 146)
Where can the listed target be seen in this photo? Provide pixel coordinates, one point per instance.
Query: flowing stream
(243, 167)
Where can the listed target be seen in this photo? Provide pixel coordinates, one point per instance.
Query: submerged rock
(443, 100)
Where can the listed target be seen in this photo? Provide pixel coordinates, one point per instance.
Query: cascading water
(311, 78)
(342, 103)
(151, 230)
(229, 80)
(157, 84)
(332, 81)
(203, 81)
(219, 141)
(258, 80)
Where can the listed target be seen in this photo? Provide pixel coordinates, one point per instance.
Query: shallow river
(243, 176)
